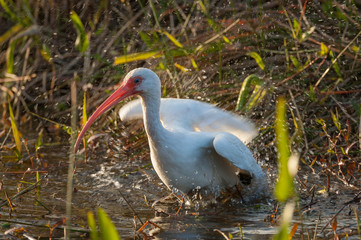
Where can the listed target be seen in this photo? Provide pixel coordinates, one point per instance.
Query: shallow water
(103, 180)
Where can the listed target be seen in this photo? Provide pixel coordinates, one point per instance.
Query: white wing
(229, 147)
(193, 115)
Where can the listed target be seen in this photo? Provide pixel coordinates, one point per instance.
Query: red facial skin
(126, 89)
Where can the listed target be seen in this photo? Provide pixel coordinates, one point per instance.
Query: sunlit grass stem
(84, 120)
(16, 133)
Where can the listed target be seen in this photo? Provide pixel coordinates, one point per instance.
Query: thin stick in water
(69, 189)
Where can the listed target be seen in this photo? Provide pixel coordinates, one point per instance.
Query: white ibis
(193, 145)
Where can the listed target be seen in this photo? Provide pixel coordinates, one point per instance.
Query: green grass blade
(155, 15)
(45, 53)
(284, 187)
(66, 128)
(173, 39)
(296, 63)
(258, 59)
(202, 7)
(39, 187)
(136, 57)
(84, 120)
(82, 41)
(297, 29)
(39, 141)
(85, 117)
(107, 228)
(194, 64)
(10, 57)
(335, 65)
(15, 130)
(243, 93)
(354, 48)
(11, 32)
(312, 94)
(92, 226)
(258, 94)
(28, 15)
(336, 120)
(205, 11)
(182, 68)
(226, 40)
(178, 52)
(8, 10)
(146, 39)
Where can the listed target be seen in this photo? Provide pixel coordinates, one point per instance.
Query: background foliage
(240, 55)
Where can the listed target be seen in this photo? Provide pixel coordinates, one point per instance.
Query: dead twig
(298, 72)
(73, 229)
(299, 120)
(140, 230)
(343, 109)
(71, 165)
(131, 208)
(357, 198)
(222, 233)
(117, 35)
(217, 35)
(14, 78)
(336, 58)
(341, 9)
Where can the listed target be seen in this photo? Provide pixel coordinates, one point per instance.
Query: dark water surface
(101, 181)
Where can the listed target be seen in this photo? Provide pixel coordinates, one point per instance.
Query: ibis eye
(137, 80)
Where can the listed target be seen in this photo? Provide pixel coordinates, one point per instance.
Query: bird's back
(192, 115)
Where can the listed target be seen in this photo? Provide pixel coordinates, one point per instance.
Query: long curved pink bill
(121, 93)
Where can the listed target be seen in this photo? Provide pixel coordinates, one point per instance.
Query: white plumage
(192, 144)
(192, 115)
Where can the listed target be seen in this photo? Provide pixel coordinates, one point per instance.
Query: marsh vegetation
(60, 59)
